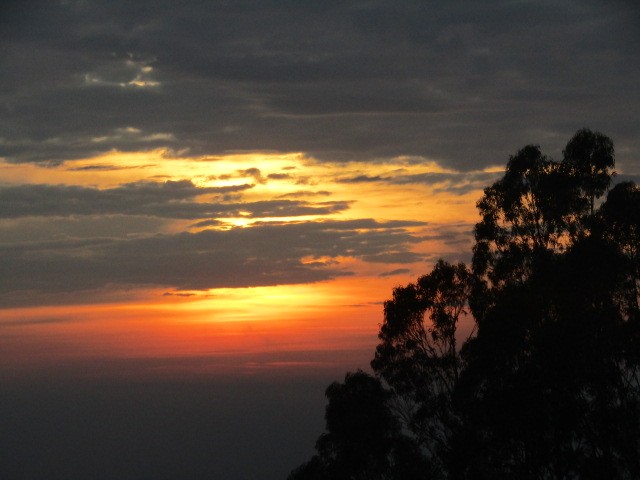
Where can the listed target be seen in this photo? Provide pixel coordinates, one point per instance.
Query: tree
(588, 158)
(538, 208)
(619, 224)
(546, 392)
(547, 386)
(619, 220)
(418, 355)
(524, 216)
(363, 438)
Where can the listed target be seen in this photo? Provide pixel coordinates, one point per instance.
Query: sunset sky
(228, 191)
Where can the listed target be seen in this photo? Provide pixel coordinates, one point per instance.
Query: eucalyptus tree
(418, 355)
(588, 159)
(363, 440)
(548, 388)
(537, 209)
(547, 383)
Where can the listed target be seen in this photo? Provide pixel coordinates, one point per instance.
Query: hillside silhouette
(547, 386)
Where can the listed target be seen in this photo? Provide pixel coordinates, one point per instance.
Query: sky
(204, 205)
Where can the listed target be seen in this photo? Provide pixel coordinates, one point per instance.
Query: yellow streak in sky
(333, 314)
(291, 176)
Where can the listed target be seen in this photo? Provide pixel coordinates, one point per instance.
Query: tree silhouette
(619, 221)
(548, 385)
(588, 158)
(418, 355)
(363, 438)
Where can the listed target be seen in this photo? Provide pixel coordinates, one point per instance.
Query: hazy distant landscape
(175, 428)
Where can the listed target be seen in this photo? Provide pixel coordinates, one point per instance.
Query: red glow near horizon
(282, 324)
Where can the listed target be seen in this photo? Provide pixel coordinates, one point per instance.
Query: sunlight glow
(436, 204)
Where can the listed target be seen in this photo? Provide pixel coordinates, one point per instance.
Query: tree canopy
(547, 383)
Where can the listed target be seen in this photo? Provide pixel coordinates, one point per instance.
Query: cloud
(306, 193)
(456, 183)
(450, 234)
(170, 199)
(209, 223)
(394, 257)
(30, 229)
(362, 179)
(461, 83)
(264, 254)
(20, 322)
(179, 294)
(252, 172)
(397, 271)
(106, 168)
(279, 176)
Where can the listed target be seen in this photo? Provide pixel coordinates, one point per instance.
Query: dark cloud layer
(461, 82)
(168, 200)
(457, 183)
(266, 254)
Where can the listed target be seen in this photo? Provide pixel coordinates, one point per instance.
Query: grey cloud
(397, 271)
(283, 208)
(458, 183)
(451, 238)
(306, 193)
(362, 179)
(167, 200)
(464, 83)
(450, 233)
(394, 257)
(265, 254)
(474, 179)
(279, 176)
(51, 200)
(106, 168)
(252, 172)
(208, 223)
(257, 175)
(370, 224)
(30, 229)
(34, 321)
(179, 294)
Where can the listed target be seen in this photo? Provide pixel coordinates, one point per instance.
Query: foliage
(418, 354)
(588, 158)
(548, 384)
(363, 439)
